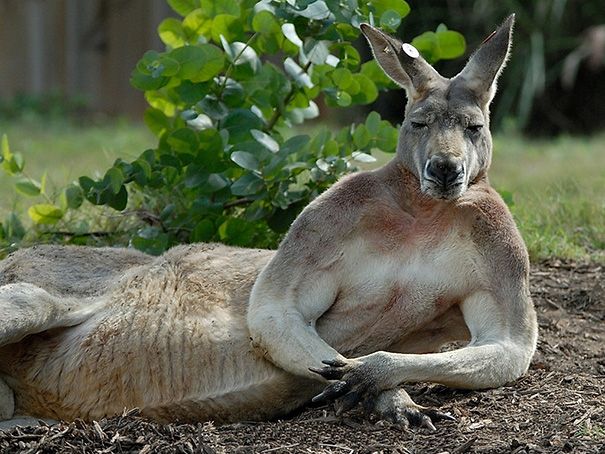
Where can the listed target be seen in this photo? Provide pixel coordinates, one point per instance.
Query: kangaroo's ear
(401, 62)
(483, 68)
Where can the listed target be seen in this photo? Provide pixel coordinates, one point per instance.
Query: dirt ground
(559, 406)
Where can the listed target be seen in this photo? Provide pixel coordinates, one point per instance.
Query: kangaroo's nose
(444, 170)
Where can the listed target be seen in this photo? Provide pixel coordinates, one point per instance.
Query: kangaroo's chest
(386, 295)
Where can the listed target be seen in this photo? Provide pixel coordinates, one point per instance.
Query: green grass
(558, 190)
(66, 151)
(557, 186)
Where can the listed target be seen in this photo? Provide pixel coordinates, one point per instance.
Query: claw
(438, 415)
(427, 423)
(334, 362)
(332, 392)
(328, 373)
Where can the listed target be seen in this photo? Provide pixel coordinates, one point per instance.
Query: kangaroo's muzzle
(444, 177)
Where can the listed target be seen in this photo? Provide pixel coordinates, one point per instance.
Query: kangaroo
(372, 279)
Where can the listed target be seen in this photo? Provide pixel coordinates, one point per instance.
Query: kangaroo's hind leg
(27, 309)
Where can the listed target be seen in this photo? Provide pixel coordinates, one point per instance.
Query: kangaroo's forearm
(290, 343)
(472, 367)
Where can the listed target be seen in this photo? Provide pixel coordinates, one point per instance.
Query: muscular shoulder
(323, 225)
(338, 210)
(494, 231)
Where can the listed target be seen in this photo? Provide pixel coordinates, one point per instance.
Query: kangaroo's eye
(474, 129)
(416, 125)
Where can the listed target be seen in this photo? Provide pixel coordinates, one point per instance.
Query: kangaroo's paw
(397, 407)
(355, 379)
(7, 401)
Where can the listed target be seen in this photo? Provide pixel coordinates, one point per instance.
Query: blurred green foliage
(531, 91)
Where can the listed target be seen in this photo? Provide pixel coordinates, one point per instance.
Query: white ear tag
(410, 50)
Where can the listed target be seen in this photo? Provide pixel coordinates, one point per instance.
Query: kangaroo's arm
(500, 349)
(302, 280)
(502, 345)
(282, 319)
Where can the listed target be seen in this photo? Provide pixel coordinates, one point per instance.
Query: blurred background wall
(83, 49)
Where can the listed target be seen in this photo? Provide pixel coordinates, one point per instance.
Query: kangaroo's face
(445, 139)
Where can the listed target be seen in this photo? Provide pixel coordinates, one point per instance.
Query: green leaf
(239, 123)
(373, 123)
(45, 214)
(294, 144)
(236, 231)
(387, 137)
(171, 32)
(198, 63)
(156, 121)
(141, 171)
(342, 77)
(265, 22)
(367, 90)
(183, 141)
(399, 6)
(390, 20)
(72, 197)
(184, 7)
(317, 10)
(265, 140)
(113, 180)
(146, 82)
(203, 231)
(12, 163)
(211, 106)
(214, 183)
(197, 25)
(451, 44)
(249, 184)
(229, 26)
(43, 182)
(361, 136)
(190, 92)
(441, 28)
(204, 182)
(375, 73)
(245, 160)
(212, 8)
(120, 200)
(158, 100)
(28, 187)
(444, 44)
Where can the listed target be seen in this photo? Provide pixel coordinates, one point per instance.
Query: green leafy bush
(225, 98)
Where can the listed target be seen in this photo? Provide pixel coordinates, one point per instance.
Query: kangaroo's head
(444, 139)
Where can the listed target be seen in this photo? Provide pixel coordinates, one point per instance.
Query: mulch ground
(559, 406)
